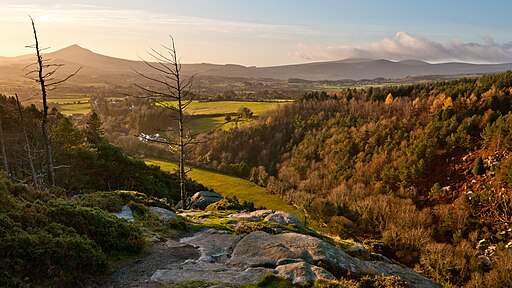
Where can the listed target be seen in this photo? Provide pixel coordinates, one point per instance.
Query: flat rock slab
(214, 245)
(210, 273)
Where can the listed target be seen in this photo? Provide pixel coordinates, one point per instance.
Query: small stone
(283, 218)
(126, 214)
(162, 214)
(254, 216)
(202, 199)
(302, 272)
(359, 252)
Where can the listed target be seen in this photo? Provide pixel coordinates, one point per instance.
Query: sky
(267, 32)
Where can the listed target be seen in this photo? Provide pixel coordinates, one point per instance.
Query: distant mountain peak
(75, 48)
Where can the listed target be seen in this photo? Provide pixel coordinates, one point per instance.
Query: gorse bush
(112, 201)
(55, 243)
(109, 232)
(49, 257)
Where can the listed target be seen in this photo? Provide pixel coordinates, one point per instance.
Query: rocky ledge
(246, 258)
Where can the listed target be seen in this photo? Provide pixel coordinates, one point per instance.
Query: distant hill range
(97, 65)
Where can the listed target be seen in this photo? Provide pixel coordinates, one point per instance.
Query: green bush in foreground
(110, 233)
(56, 243)
(49, 257)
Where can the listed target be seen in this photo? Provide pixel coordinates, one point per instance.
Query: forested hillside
(420, 173)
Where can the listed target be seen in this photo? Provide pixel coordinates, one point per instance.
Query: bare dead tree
(4, 154)
(27, 144)
(44, 74)
(172, 91)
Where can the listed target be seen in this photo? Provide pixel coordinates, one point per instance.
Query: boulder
(302, 272)
(126, 214)
(253, 216)
(241, 259)
(214, 245)
(202, 199)
(162, 214)
(359, 252)
(283, 218)
(260, 249)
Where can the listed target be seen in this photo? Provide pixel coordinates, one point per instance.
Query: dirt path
(137, 272)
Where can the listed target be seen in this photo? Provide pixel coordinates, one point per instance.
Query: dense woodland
(420, 173)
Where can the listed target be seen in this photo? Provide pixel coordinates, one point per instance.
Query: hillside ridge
(356, 69)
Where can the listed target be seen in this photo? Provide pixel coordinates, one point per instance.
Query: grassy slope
(233, 186)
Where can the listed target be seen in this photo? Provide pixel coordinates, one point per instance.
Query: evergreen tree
(479, 168)
(93, 130)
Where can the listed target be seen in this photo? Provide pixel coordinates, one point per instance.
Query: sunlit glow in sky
(267, 32)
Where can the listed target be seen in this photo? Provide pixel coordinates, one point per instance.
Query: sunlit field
(232, 186)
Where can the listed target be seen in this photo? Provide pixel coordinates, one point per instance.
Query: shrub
(224, 204)
(50, 257)
(499, 276)
(113, 201)
(230, 204)
(108, 201)
(382, 282)
(273, 281)
(478, 168)
(448, 264)
(342, 226)
(110, 233)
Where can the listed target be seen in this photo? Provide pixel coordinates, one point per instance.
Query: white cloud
(406, 46)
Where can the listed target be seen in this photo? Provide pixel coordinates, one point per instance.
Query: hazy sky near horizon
(267, 32)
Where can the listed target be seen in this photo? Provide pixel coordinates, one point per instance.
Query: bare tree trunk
(4, 154)
(27, 143)
(174, 88)
(182, 164)
(181, 146)
(44, 122)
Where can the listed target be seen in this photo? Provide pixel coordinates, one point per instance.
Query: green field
(209, 111)
(72, 105)
(70, 109)
(231, 186)
(69, 100)
(226, 107)
(207, 123)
